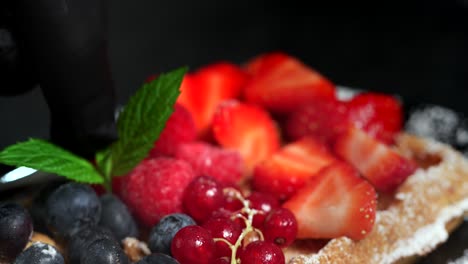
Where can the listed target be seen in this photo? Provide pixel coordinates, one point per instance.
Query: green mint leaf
(104, 163)
(44, 156)
(143, 119)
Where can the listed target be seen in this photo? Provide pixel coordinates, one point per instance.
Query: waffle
(410, 223)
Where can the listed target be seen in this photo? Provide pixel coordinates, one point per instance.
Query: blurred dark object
(15, 68)
(62, 46)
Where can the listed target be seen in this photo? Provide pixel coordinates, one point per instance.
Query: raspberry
(179, 128)
(155, 188)
(222, 164)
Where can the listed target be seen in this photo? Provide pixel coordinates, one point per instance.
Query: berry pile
(253, 158)
(231, 226)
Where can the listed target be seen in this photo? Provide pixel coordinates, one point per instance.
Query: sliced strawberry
(380, 115)
(246, 128)
(336, 202)
(281, 83)
(189, 99)
(377, 162)
(265, 62)
(287, 170)
(323, 119)
(204, 89)
(227, 77)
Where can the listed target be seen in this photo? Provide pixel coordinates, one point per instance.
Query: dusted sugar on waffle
(439, 123)
(408, 227)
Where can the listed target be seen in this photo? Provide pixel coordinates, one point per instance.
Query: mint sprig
(139, 126)
(44, 156)
(143, 119)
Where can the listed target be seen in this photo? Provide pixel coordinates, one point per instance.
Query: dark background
(418, 49)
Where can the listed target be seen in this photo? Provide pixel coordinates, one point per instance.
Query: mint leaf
(142, 120)
(104, 163)
(44, 156)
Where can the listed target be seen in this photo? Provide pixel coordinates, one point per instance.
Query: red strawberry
(202, 91)
(287, 170)
(323, 119)
(265, 62)
(377, 162)
(225, 76)
(380, 115)
(179, 128)
(246, 128)
(224, 165)
(281, 83)
(155, 188)
(336, 202)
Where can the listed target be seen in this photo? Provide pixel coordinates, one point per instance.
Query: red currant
(263, 202)
(280, 227)
(202, 197)
(193, 245)
(225, 228)
(231, 202)
(223, 260)
(223, 213)
(262, 252)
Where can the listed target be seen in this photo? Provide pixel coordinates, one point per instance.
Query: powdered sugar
(428, 237)
(49, 251)
(344, 93)
(462, 260)
(434, 122)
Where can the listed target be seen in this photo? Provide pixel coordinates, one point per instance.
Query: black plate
(456, 247)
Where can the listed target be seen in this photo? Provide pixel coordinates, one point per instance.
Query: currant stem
(246, 210)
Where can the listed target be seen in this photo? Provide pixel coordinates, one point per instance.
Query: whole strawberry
(179, 128)
(155, 188)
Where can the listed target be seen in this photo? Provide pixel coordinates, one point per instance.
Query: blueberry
(71, 207)
(116, 217)
(104, 251)
(158, 258)
(38, 207)
(15, 230)
(163, 232)
(40, 253)
(78, 244)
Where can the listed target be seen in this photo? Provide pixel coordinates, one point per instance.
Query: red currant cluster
(232, 228)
